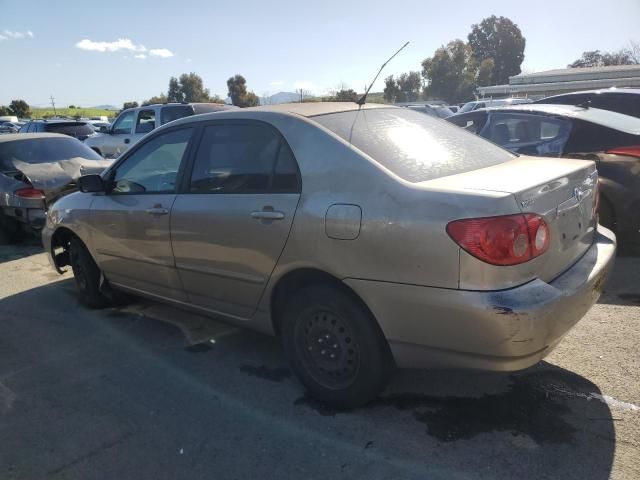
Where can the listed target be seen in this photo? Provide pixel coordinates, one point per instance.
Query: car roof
(58, 120)
(29, 136)
(312, 109)
(606, 118)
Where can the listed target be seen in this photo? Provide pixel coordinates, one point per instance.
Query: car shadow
(544, 422)
(623, 285)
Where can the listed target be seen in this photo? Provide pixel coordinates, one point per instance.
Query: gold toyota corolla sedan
(366, 237)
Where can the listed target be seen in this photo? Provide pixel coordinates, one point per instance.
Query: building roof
(606, 118)
(572, 74)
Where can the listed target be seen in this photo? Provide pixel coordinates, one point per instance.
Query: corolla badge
(579, 194)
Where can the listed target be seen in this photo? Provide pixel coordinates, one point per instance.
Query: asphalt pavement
(146, 391)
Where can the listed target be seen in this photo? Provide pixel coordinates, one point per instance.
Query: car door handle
(268, 215)
(157, 211)
(126, 140)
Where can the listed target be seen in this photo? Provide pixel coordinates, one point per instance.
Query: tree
(500, 39)
(391, 90)
(162, 98)
(450, 74)
(5, 111)
(485, 71)
(409, 85)
(188, 88)
(72, 107)
(237, 86)
(20, 108)
(127, 105)
(596, 58)
(346, 95)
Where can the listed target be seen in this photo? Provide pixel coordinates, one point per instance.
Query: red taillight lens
(29, 192)
(631, 151)
(504, 240)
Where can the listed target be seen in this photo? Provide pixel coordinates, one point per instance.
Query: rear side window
(171, 113)
(627, 104)
(243, 159)
(146, 121)
(589, 137)
(73, 129)
(528, 134)
(414, 146)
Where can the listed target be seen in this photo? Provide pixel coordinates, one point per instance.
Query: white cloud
(276, 83)
(188, 60)
(161, 52)
(141, 56)
(120, 44)
(16, 35)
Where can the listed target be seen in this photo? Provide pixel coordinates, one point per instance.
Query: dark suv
(621, 100)
(79, 130)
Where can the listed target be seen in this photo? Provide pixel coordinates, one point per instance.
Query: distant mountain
(282, 97)
(106, 107)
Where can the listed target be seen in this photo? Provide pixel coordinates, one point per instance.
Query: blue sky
(277, 45)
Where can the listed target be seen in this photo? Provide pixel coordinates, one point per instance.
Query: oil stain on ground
(266, 373)
(525, 408)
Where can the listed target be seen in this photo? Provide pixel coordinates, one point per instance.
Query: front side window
(243, 159)
(153, 168)
(528, 134)
(123, 124)
(146, 121)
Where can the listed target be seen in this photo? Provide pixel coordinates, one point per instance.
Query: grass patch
(72, 112)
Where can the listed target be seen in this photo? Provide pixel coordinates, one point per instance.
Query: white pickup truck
(134, 123)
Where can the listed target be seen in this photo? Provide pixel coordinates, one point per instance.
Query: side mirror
(104, 129)
(91, 184)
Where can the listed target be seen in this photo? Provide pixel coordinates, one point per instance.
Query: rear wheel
(86, 274)
(335, 347)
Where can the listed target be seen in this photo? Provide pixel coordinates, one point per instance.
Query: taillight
(631, 151)
(29, 192)
(504, 240)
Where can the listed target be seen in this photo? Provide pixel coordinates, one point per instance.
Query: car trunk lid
(562, 191)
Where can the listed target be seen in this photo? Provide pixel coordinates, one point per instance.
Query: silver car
(134, 123)
(35, 170)
(365, 237)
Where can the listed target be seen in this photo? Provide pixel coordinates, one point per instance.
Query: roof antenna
(363, 99)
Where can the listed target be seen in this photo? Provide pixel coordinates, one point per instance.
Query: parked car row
(366, 237)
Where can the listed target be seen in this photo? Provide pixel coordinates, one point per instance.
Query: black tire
(87, 275)
(356, 363)
(606, 214)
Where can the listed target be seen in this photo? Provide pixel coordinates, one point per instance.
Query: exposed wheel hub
(330, 349)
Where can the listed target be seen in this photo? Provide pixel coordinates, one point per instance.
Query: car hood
(53, 177)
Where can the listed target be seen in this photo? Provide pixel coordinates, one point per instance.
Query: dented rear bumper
(490, 330)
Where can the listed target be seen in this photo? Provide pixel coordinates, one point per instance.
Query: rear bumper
(33, 217)
(490, 330)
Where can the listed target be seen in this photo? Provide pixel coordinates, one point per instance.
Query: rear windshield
(43, 150)
(70, 128)
(414, 146)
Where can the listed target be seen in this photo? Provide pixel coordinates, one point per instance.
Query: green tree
(346, 95)
(409, 85)
(162, 98)
(127, 105)
(188, 88)
(20, 108)
(71, 107)
(485, 71)
(596, 58)
(500, 39)
(5, 111)
(391, 90)
(450, 74)
(240, 97)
